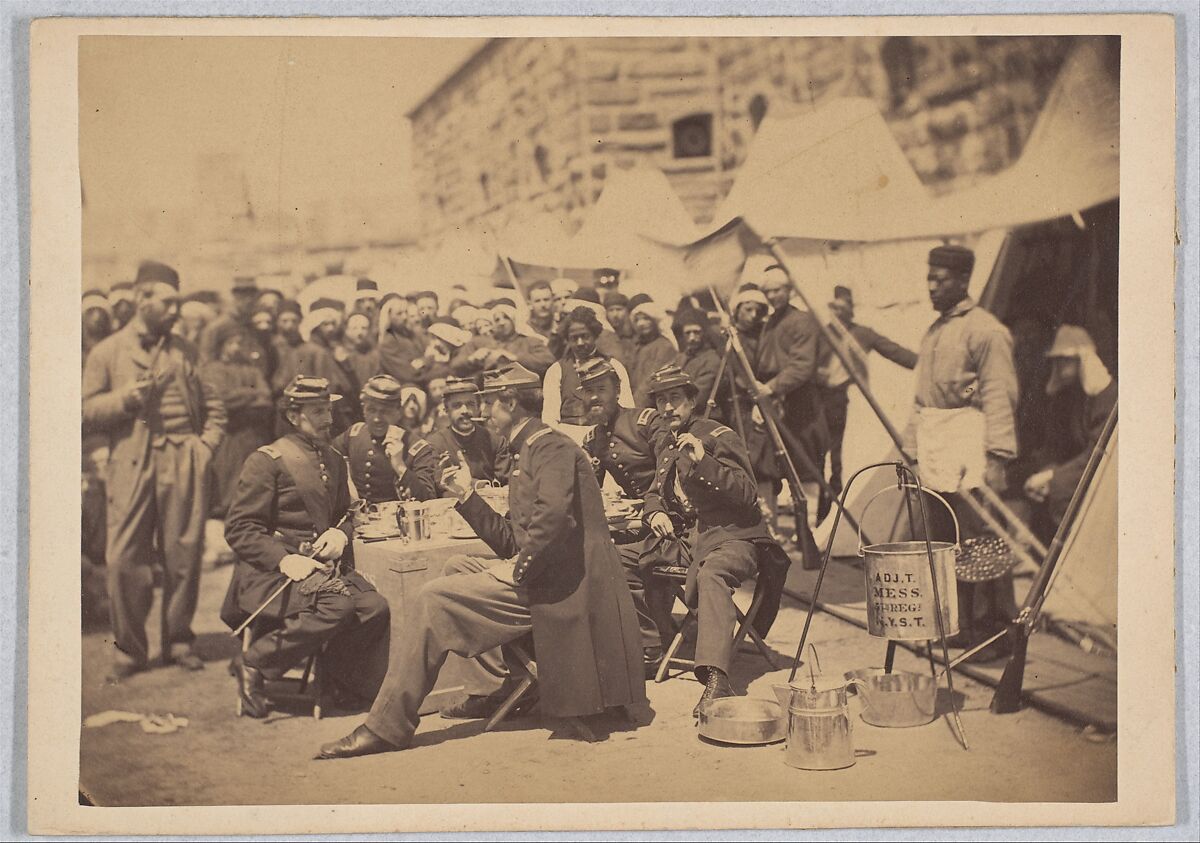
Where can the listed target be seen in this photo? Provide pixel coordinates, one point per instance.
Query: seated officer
(464, 439)
(623, 444)
(288, 522)
(387, 462)
(704, 467)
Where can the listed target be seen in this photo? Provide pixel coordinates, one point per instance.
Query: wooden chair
(676, 578)
(522, 665)
(307, 679)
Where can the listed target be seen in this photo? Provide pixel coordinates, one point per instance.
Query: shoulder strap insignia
(720, 430)
(645, 416)
(355, 428)
(535, 437)
(417, 447)
(589, 437)
(271, 451)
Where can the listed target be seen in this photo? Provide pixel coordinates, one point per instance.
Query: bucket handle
(945, 503)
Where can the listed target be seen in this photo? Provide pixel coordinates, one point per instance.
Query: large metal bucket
(894, 700)
(900, 594)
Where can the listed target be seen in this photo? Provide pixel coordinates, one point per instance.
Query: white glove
(330, 545)
(297, 567)
(660, 524)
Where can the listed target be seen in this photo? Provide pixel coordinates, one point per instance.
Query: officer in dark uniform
(289, 522)
(485, 451)
(561, 582)
(387, 462)
(623, 444)
(704, 467)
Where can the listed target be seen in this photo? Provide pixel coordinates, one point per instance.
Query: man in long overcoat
(562, 582)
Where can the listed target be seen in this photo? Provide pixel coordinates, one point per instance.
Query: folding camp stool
(309, 679)
(676, 576)
(521, 664)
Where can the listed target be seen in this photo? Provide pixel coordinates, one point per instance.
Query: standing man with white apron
(963, 429)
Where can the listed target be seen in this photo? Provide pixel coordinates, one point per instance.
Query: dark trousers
(836, 402)
(711, 583)
(465, 614)
(983, 608)
(166, 509)
(355, 627)
(637, 558)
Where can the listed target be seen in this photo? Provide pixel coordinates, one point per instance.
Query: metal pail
(900, 594)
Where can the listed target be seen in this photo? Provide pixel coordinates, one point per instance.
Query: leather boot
(254, 702)
(716, 686)
(362, 741)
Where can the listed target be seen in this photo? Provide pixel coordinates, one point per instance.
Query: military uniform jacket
(722, 491)
(289, 492)
(486, 453)
(371, 470)
(585, 631)
(626, 449)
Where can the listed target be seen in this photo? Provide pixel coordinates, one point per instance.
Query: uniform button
(371, 453)
(368, 463)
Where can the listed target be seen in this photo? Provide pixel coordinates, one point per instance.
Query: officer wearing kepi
(704, 467)
(623, 444)
(485, 452)
(289, 523)
(387, 462)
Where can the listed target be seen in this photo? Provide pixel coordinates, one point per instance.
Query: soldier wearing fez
(485, 452)
(142, 390)
(705, 485)
(387, 462)
(289, 522)
(561, 580)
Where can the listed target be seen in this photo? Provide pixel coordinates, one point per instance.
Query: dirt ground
(220, 759)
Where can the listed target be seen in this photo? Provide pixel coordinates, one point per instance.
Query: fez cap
(308, 390)
(290, 306)
(459, 386)
(152, 271)
(614, 299)
(669, 377)
(594, 369)
(245, 284)
(512, 376)
(381, 388)
(365, 288)
(957, 258)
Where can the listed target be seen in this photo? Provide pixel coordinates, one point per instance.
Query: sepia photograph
(602, 418)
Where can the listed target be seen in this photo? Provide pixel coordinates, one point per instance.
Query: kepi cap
(459, 386)
(382, 388)
(305, 389)
(594, 369)
(669, 377)
(512, 376)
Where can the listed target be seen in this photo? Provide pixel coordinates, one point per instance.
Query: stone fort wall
(531, 124)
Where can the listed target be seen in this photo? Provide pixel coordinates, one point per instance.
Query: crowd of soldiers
(279, 419)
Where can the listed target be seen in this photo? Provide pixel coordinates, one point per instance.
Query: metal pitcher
(818, 729)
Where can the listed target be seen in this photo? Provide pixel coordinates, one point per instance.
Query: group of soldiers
(501, 393)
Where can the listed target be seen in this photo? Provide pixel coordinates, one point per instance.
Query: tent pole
(1007, 698)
